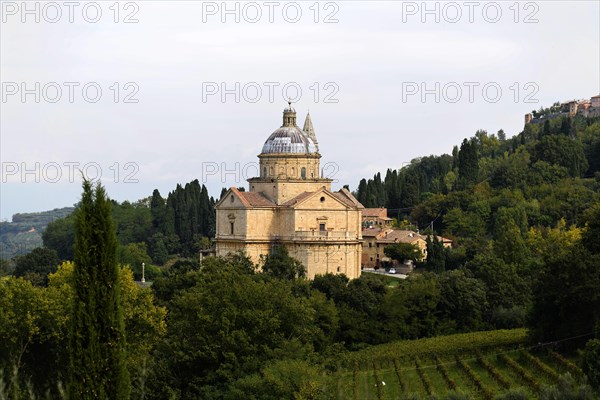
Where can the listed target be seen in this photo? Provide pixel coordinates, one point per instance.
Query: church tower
(289, 161)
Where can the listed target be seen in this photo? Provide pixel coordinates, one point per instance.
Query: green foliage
(178, 276)
(228, 324)
(507, 291)
(279, 264)
(531, 381)
(562, 151)
(513, 394)
(468, 162)
(403, 251)
(567, 296)
(436, 255)
(36, 266)
(6, 267)
(493, 371)
(410, 310)
(474, 378)
(157, 248)
(60, 236)
(591, 235)
(189, 212)
(26, 317)
(167, 227)
(567, 388)
(144, 320)
(283, 379)
(443, 346)
(34, 325)
(97, 329)
(134, 254)
(359, 308)
(463, 302)
(591, 362)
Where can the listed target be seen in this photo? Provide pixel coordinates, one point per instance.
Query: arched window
(303, 173)
(264, 172)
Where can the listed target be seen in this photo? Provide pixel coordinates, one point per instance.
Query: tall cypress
(97, 333)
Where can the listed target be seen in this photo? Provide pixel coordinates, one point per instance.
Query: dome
(291, 140)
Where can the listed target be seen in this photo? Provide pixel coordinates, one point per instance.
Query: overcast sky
(361, 67)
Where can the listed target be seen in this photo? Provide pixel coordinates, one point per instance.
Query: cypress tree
(97, 332)
(362, 192)
(468, 162)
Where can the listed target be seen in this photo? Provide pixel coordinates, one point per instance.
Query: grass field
(480, 365)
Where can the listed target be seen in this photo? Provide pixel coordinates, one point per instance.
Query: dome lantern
(289, 138)
(289, 115)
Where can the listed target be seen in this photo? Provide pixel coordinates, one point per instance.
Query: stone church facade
(290, 204)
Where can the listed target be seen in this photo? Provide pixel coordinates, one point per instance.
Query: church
(291, 204)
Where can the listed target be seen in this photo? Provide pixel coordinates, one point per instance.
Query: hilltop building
(585, 108)
(291, 204)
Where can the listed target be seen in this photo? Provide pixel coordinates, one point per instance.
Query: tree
(410, 310)
(332, 285)
(508, 292)
(591, 235)
(157, 249)
(39, 263)
(134, 255)
(226, 325)
(468, 162)
(280, 264)
(5, 267)
(436, 255)
(567, 296)
(97, 333)
(501, 135)
(567, 388)
(562, 151)
(403, 251)
(59, 235)
(284, 379)
(463, 302)
(144, 320)
(21, 320)
(591, 362)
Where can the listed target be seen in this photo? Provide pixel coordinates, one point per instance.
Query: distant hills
(24, 233)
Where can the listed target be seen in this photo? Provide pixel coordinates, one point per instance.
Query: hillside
(24, 233)
(524, 214)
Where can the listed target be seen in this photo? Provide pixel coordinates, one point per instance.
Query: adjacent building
(375, 217)
(376, 239)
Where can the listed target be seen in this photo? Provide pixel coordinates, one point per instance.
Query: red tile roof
(297, 199)
(375, 212)
(397, 236)
(371, 232)
(344, 199)
(256, 199)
